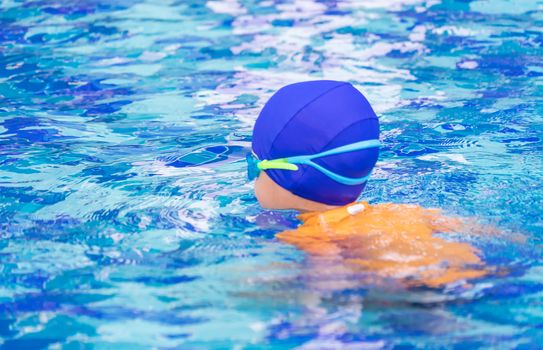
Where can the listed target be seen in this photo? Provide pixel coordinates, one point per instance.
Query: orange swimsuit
(390, 240)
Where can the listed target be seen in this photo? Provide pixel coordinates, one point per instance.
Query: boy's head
(305, 119)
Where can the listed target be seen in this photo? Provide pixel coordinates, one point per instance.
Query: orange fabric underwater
(391, 240)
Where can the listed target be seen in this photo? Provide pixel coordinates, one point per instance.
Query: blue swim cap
(311, 117)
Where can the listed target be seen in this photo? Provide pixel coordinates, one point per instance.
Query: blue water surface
(110, 239)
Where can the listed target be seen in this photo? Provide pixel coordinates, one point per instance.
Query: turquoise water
(108, 239)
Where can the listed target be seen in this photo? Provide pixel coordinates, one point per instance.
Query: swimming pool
(109, 239)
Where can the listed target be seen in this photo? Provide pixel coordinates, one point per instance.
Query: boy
(314, 147)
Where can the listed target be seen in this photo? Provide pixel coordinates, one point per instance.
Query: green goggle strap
(281, 163)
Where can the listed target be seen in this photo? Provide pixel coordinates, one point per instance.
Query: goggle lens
(252, 167)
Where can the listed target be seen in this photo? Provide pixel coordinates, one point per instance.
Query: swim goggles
(255, 166)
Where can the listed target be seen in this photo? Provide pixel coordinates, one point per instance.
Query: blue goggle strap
(357, 146)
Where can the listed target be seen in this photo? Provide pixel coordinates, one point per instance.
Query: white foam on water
(112, 61)
(390, 5)
(459, 158)
(229, 7)
(468, 64)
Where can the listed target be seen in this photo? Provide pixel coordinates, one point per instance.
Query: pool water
(127, 222)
